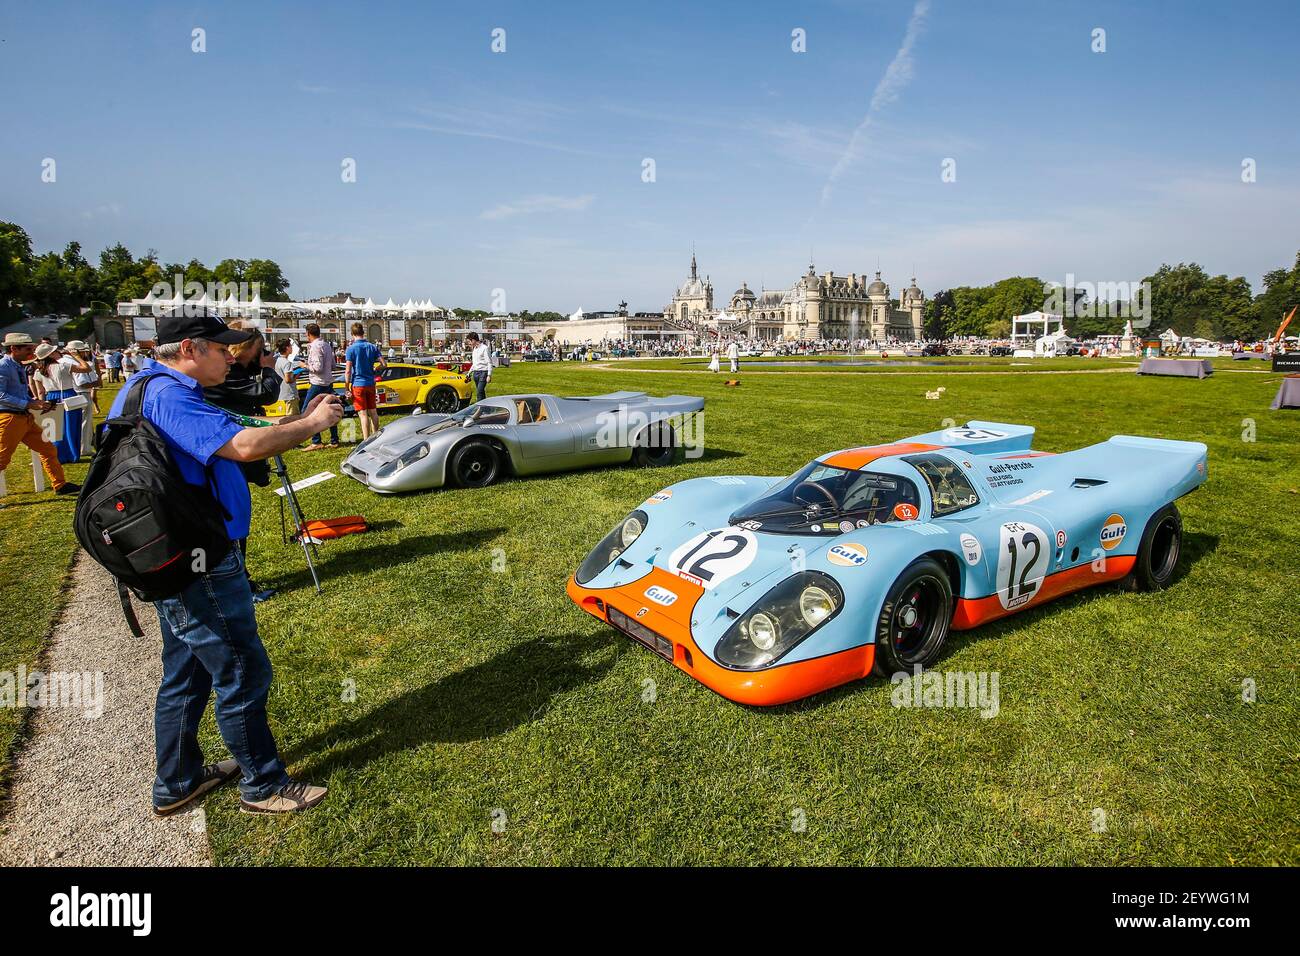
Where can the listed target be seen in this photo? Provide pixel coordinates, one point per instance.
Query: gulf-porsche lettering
(714, 556)
(850, 554)
(1113, 531)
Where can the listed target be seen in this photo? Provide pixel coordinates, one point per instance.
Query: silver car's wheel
(474, 464)
(655, 447)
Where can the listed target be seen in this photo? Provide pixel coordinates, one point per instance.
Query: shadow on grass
(335, 564)
(504, 692)
(52, 501)
(1196, 545)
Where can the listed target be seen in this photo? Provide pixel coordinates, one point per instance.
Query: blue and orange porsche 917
(769, 590)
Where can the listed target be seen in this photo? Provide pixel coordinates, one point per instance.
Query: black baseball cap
(177, 328)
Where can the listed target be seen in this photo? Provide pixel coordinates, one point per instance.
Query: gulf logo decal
(660, 595)
(849, 555)
(1113, 531)
(659, 496)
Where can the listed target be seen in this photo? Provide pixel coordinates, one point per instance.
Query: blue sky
(523, 170)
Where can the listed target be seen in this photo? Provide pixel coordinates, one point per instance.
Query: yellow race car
(400, 385)
(433, 388)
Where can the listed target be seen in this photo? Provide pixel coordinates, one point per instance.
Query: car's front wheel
(442, 400)
(913, 623)
(475, 464)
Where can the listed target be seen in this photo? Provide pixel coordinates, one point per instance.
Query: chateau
(815, 306)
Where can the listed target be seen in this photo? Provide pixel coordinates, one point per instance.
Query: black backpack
(138, 517)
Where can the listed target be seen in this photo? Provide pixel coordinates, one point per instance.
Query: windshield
(478, 414)
(821, 499)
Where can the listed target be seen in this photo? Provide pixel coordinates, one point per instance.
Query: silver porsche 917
(522, 435)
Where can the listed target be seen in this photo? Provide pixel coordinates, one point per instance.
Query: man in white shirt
(320, 376)
(733, 354)
(480, 368)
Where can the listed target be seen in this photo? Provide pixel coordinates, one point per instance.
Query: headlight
(630, 530)
(611, 546)
(408, 457)
(762, 631)
(781, 619)
(815, 605)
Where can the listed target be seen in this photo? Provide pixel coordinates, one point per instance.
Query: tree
(1281, 292)
(15, 266)
(271, 283)
(1185, 298)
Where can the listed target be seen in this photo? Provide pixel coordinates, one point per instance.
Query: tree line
(65, 282)
(1183, 297)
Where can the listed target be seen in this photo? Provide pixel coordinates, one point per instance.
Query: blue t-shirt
(363, 355)
(194, 430)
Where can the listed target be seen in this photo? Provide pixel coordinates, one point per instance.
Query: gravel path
(81, 787)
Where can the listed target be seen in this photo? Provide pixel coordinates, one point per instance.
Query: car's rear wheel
(654, 447)
(442, 400)
(913, 623)
(1157, 557)
(475, 464)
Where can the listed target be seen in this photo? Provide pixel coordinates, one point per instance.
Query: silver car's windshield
(480, 414)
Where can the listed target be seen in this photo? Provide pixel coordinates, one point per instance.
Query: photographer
(209, 632)
(251, 384)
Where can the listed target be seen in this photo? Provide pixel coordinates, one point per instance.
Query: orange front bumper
(775, 685)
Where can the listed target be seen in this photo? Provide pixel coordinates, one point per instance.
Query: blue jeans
(480, 385)
(210, 641)
(312, 392)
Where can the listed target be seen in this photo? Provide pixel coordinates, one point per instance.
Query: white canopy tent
(1052, 344)
(1029, 320)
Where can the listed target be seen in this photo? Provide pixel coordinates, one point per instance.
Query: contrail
(897, 75)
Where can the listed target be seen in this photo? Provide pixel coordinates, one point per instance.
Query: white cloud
(897, 75)
(107, 209)
(534, 204)
(311, 88)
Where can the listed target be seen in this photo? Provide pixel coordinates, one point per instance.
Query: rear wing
(981, 438)
(1182, 465)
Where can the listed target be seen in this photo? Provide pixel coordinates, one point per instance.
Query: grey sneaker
(214, 775)
(293, 796)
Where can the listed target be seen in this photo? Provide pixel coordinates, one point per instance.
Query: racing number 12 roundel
(710, 558)
(1022, 563)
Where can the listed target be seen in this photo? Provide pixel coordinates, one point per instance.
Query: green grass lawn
(36, 548)
(482, 695)
(893, 363)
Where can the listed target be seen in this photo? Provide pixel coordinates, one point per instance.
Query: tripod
(299, 522)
